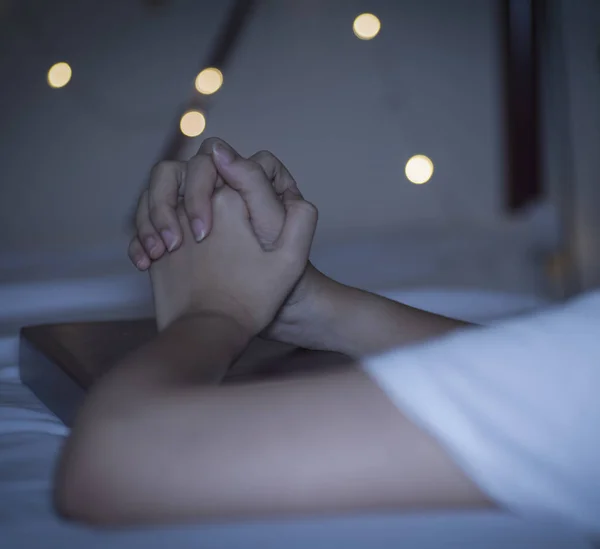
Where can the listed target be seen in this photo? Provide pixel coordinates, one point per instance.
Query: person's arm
(336, 317)
(366, 323)
(320, 314)
(193, 351)
(156, 443)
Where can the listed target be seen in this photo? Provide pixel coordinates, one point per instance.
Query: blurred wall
(344, 114)
(571, 102)
(581, 38)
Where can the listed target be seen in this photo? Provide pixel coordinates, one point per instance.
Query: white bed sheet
(31, 437)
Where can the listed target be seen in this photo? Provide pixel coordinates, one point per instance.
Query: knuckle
(264, 155)
(268, 162)
(207, 144)
(162, 168)
(311, 207)
(307, 208)
(163, 177)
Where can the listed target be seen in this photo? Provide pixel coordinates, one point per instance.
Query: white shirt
(516, 404)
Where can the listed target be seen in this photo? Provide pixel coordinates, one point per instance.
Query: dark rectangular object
(520, 22)
(60, 362)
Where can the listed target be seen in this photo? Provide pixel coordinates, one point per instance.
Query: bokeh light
(192, 123)
(209, 80)
(366, 26)
(59, 75)
(419, 169)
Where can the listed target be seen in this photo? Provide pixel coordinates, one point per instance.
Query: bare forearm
(192, 351)
(358, 323)
(195, 350)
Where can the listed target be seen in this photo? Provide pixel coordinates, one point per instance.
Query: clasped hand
(246, 267)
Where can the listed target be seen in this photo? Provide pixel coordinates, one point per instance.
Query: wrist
(360, 323)
(350, 321)
(337, 308)
(223, 307)
(306, 321)
(234, 332)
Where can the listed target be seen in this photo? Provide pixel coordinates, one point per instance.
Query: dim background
(344, 114)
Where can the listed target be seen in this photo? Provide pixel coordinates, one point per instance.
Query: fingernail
(223, 154)
(169, 238)
(143, 263)
(199, 230)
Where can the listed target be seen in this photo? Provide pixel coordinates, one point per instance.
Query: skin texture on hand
(229, 272)
(188, 187)
(193, 183)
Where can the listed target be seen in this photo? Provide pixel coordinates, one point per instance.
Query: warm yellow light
(419, 169)
(366, 26)
(192, 123)
(59, 75)
(209, 81)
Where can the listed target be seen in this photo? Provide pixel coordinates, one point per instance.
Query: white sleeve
(517, 405)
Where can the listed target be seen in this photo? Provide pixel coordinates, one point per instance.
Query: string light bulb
(419, 169)
(209, 80)
(59, 75)
(192, 123)
(366, 26)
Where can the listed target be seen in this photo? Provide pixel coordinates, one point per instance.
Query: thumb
(299, 227)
